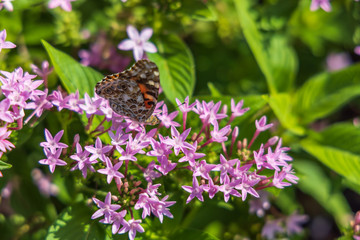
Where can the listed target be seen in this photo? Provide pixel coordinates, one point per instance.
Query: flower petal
(132, 33)
(146, 34)
(150, 47)
(126, 45)
(138, 53)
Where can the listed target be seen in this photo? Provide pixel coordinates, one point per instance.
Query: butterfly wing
(134, 92)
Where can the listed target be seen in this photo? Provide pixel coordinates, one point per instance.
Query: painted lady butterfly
(133, 93)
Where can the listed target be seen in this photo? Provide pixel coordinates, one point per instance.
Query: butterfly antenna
(180, 105)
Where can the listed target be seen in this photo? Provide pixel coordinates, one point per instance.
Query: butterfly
(134, 92)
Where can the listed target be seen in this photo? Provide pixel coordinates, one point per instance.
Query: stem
(224, 149)
(184, 120)
(207, 142)
(256, 134)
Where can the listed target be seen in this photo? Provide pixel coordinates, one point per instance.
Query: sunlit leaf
(327, 92)
(176, 66)
(283, 107)
(75, 223)
(276, 58)
(73, 75)
(213, 90)
(4, 165)
(339, 160)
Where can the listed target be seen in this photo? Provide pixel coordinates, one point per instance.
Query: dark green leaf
(314, 182)
(189, 233)
(72, 74)
(196, 9)
(275, 57)
(176, 66)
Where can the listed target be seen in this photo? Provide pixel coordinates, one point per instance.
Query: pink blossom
(64, 4)
(3, 43)
(138, 42)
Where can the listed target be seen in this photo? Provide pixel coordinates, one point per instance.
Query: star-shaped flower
(106, 208)
(7, 4)
(52, 143)
(64, 4)
(195, 190)
(4, 44)
(324, 4)
(138, 42)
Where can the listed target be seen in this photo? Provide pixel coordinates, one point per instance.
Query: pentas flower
(195, 190)
(132, 226)
(178, 140)
(111, 171)
(357, 50)
(5, 115)
(4, 143)
(260, 205)
(52, 159)
(52, 143)
(5, 44)
(91, 106)
(324, 4)
(83, 160)
(106, 208)
(232, 170)
(42, 72)
(64, 4)
(138, 42)
(289, 225)
(7, 5)
(98, 152)
(167, 119)
(44, 184)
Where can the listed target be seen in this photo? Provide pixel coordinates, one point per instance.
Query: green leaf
(341, 161)
(344, 136)
(213, 90)
(314, 182)
(189, 233)
(72, 74)
(283, 107)
(176, 66)
(276, 59)
(75, 223)
(196, 9)
(4, 165)
(327, 92)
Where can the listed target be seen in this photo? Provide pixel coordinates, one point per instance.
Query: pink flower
(64, 4)
(5, 144)
(4, 44)
(132, 226)
(7, 4)
(138, 42)
(324, 4)
(357, 50)
(52, 159)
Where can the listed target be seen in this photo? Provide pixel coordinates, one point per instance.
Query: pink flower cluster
(236, 172)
